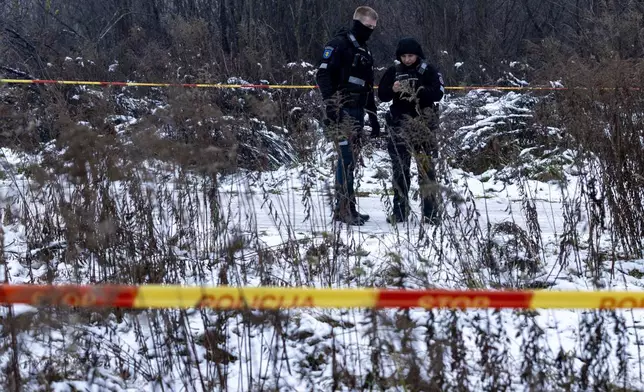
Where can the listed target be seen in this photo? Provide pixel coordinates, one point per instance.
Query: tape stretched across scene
(249, 86)
(182, 297)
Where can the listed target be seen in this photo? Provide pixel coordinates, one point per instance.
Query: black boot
(343, 213)
(348, 218)
(354, 210)
(395, 218)
(433, 219)
(431, 214)
(400, 210)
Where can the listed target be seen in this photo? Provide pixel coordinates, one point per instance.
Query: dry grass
(144, 204)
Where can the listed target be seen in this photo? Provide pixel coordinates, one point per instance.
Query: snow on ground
(497, 202)
(300, 350)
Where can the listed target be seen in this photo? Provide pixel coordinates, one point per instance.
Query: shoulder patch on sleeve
(440, 78)
(328, 51)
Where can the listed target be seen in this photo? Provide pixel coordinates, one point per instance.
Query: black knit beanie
(409, 46)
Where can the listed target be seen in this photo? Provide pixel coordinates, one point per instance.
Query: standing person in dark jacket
(345, 78)
(415, 87)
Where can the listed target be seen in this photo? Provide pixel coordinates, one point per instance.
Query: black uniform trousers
(401, 150)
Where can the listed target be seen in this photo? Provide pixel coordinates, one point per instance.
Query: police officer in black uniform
(415, 87)
(345, 79)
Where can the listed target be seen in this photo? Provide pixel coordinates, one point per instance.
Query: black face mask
(361, 31)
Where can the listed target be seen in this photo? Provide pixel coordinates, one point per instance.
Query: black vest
(401, 107)
(357, 78)
(412, 75)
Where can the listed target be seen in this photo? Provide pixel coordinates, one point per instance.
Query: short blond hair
(365, 12)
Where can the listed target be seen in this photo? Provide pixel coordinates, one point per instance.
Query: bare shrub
(602, 113)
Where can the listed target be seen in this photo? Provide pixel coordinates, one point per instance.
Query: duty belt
(355, 100)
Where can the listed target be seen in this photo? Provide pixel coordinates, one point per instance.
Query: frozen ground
(282, 219)
(496, 202)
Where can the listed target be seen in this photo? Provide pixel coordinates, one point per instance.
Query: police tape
(228, 298)
(143, 84)
(243, 86)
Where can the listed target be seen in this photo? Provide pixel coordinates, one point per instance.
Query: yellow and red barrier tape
(168, 296)
(220, 85)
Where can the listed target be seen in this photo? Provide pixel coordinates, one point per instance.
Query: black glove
(375, 125)
(331, 114)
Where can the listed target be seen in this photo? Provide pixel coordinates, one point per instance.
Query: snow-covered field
(277, 230)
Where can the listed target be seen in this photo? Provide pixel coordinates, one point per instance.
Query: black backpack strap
(353, 40)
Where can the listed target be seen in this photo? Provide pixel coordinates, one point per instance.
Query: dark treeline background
(197, 39)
